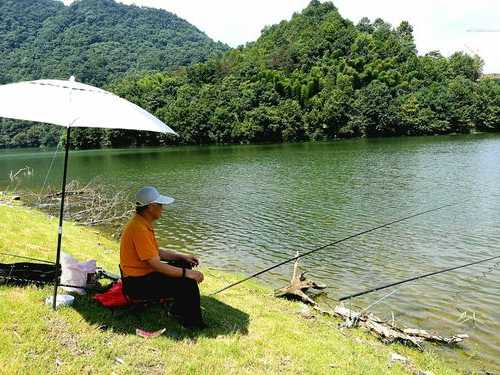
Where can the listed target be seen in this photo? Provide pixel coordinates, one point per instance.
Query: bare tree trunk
(298, 286)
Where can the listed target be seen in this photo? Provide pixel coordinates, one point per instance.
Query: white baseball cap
(148, 195)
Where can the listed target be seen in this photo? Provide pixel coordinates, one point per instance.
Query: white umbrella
(72, 104)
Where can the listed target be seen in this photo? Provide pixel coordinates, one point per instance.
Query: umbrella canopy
(72, 104)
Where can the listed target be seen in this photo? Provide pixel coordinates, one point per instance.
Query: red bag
(114, 297)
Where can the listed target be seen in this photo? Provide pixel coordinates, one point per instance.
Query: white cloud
(438, 24)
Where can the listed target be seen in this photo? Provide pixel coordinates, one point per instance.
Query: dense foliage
(95, 40)
(317, 76)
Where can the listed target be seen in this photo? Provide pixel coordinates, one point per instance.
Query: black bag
(20, 274)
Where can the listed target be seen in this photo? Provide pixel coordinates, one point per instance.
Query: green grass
(251, 331)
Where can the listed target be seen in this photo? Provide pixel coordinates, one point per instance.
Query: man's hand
(191, 260)
(173, 271)
(195, 275)
(172, 255)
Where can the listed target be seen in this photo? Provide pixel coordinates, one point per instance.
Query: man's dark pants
(156, 285)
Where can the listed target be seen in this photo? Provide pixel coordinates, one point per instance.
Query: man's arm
(172, 271)
(172, 255)
(169, 255)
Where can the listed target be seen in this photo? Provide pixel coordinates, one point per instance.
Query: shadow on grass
(221, 319)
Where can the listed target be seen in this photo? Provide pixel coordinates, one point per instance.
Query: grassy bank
(251, 332)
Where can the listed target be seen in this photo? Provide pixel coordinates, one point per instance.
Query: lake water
(245, 208)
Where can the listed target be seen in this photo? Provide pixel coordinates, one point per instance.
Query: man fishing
(144, 274)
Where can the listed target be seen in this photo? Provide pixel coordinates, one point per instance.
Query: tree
(328, 113)
(462, 98)
(466, 66)
(374, 112)
(488, 105)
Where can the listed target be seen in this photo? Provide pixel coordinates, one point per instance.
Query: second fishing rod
(332, 244)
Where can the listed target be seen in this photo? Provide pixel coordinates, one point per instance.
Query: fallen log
(435, 338)
(298, 286)
(385, 331)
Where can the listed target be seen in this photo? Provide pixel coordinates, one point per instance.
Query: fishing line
(41, 192)
(332, 244)
(380, 299)
(415, 278)
(460, 295)
(50, 168)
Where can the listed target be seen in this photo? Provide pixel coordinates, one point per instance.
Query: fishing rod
(7, 278)
(415, 278)
(18, 279)
(332, 244)
(23, 257)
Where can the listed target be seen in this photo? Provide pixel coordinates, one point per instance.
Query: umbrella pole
(61, 215)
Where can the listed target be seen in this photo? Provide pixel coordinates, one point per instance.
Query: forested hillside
(96, 41)
(317, 76)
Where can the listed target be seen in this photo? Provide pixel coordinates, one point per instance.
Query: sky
(472, 26)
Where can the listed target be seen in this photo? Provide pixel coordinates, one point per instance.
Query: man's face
(155, 209)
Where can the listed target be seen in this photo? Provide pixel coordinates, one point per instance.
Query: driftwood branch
(298, 286)
(26, 171)
(388, 332)
(90, 204)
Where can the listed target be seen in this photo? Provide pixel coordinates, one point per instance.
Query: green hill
(94, 40)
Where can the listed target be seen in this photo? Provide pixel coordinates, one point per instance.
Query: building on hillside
(492, 75)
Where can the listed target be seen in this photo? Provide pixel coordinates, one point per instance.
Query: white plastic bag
(75, 273)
